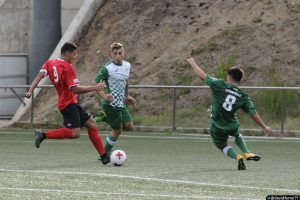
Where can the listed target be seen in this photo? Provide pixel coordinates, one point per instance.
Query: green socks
(110, 142)
(239, 140)
(230, 152)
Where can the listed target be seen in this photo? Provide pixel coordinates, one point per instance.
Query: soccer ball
(118, 157)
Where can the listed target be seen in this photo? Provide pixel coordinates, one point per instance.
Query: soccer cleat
(241, 164)
(100, 159)
(38, 138)
(252, 156)
(100, 117)
(105, 158)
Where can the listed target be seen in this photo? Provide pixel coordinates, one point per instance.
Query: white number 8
(229, 101)
(55, 74)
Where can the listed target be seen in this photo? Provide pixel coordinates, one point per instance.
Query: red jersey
(63, 77)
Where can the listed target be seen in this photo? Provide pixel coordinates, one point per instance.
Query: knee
(220, 146)
(238, 136)
(128, 128)
(75, 134)
(115, 133)
(92, 125)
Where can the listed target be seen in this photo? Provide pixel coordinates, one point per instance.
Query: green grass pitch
(159, 166)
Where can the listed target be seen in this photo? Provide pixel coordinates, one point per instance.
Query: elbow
(75, 90)
(201, 78)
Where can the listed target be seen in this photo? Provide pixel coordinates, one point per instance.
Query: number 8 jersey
(226, 100)
(63, 77)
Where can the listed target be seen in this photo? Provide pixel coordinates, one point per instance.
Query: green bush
(271, 101)
(224, 65)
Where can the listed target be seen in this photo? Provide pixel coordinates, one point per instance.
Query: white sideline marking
(116, 193)
(185, 136)
(149, 179)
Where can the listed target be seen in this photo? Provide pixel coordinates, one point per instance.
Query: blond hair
(116, 46)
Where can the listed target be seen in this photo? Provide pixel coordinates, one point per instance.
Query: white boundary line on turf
(149, 179)
(115, 193)
(184, 136)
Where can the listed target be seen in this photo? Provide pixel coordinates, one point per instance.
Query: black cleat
(252, 156)
(105, 158)
(38, 138)
(241, 164)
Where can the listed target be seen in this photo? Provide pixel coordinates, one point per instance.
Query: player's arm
(102, 75)
(260, 122)
(197, 70)
(249, 108)
(102, 94)
(34, 83)
(85, 89)
(130, 100)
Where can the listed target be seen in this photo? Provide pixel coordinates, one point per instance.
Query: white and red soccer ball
(118, 157)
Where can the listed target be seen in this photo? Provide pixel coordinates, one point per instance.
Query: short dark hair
(68, 47)
(116, 46)
(236, 73)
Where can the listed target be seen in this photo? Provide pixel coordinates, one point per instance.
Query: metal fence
(173, 99)
(14, 70)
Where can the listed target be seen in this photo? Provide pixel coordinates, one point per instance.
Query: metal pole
(46, 32)
(31, 114)
(17, 95)
(174, 110)
(282, 112)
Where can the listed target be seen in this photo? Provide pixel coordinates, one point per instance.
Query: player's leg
(114, 119)
(96, 139)
(220, 140)
(111, 139)
(127, 120)
(239, 140)
(87, 121)
(71, 122)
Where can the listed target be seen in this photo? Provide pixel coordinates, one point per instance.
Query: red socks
(63, 133)
(60, 133)
(96, 140)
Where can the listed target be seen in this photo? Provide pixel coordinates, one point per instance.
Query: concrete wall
(15, 39)
(69, 9)
(74, 31)
(15, 23)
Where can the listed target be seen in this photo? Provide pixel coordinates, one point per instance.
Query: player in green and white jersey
(227, 98)
(115, 74)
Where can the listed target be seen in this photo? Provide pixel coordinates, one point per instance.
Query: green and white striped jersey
(116, 78)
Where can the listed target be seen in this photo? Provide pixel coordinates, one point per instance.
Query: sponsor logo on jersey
(233, 92)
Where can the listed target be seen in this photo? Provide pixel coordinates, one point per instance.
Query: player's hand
(100, 86)
(28, 95)
(130, 100)
(191, 61)
(109, 97)
(268, 131)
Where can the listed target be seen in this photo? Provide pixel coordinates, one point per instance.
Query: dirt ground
(262, 35)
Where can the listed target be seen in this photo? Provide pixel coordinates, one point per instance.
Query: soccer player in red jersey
(63, 77)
